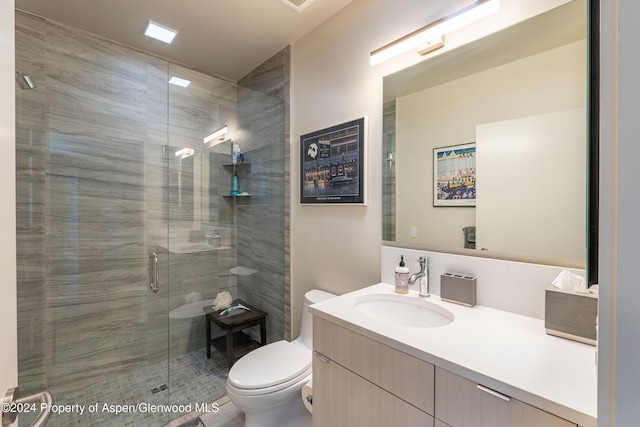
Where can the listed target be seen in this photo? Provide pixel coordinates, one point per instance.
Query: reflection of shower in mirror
(390, 158)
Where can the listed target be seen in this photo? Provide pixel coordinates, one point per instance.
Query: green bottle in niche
(234, 185)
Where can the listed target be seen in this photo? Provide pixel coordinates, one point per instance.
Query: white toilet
(266, 383)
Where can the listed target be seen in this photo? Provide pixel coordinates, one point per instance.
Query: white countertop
(504, 351)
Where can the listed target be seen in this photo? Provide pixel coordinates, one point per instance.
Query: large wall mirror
(521, 98)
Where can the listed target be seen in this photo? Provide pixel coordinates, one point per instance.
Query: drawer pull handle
(322, 357)
(494, 393)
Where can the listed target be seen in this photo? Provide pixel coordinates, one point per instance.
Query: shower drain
(158, 389)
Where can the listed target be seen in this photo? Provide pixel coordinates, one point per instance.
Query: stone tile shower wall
(95, 197)
(263, 244)
(85, 256)
(30, 203)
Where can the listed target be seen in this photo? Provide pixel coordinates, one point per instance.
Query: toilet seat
(268, 369)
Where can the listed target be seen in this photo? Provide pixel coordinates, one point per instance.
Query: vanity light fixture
(178, 81)
(216, 136)
(184, 153)
(430, 37)
(159, 32)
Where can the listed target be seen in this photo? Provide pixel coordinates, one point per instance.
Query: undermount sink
(403, 310)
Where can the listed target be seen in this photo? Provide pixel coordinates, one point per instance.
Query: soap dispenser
(402, 277)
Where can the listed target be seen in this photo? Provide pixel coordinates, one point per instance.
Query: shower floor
(192, 379)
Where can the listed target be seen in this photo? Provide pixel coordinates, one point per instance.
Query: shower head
(24, 80)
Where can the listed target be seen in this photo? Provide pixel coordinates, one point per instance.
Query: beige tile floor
(226, 415)
(192, 378)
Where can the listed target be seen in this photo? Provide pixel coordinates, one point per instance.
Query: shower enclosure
(114, 182)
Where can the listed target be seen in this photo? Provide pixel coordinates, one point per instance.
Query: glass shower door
(200, 252)
(89, 215)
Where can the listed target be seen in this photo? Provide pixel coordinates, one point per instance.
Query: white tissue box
(571, 315)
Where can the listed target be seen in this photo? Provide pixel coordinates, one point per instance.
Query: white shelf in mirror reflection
(243, 271)
(188, 311)
(191, 247)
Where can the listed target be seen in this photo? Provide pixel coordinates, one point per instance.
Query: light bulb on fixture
(184, 153)
(216, 136)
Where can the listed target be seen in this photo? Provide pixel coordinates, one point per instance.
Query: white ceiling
(225, 38)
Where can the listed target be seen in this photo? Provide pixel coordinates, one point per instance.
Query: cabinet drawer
(342, 398)
(405, 376)
(460, 402)
(526, 415)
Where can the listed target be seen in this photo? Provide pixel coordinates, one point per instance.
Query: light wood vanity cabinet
(342, 398)
(463, 403)
(358, 381)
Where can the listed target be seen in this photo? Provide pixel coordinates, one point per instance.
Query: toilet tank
(306, 328)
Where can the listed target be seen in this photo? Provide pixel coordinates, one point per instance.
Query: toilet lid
(270, 365)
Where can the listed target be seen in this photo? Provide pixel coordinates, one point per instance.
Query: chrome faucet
(422, 276)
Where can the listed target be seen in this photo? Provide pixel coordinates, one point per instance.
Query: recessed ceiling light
(159, 32)
(179, 81)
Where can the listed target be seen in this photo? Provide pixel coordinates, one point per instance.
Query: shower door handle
(154, 274)
(12, 405)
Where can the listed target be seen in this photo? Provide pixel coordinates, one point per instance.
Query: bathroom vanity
(484, 368)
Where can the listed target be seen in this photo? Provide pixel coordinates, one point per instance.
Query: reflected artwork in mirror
(522, 95)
